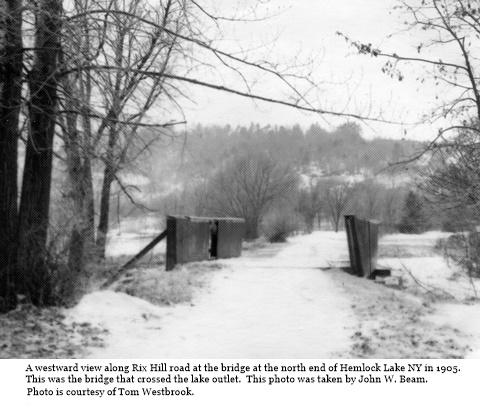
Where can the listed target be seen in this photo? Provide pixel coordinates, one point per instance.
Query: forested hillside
(336, 152)
(317, 175)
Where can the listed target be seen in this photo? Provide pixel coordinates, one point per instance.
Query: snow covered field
(285, 305)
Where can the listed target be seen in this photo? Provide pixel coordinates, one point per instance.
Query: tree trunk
(11, 59)
(337, 222)
(251, 227)
(309, 221)
(75, 174)
(319, 220)
(103, 224)
(87, 177)
(34, 273)
(89, 208)
(110, 163)
(87, 183)
(80, 188)
(82, 241)
(108, 178)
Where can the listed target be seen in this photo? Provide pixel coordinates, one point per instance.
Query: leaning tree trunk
(11, 60)
(34, 273)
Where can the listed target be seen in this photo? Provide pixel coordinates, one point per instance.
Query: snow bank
(114, 308)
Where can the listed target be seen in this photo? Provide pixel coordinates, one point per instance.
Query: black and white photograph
(248, 179)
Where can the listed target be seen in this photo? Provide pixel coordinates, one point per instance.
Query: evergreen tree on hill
(414, 219)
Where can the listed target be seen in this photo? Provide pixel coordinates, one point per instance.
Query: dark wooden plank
(362, 237)
(134, 259)
(188, 240)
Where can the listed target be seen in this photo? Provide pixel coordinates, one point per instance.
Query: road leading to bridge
(282, 306)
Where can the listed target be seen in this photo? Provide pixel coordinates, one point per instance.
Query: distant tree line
(263, 175)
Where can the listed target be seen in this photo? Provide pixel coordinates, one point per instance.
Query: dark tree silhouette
(414, 219)
(248, 187)
(33, 270)
(11, 60)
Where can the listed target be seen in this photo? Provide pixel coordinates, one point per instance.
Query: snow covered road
(283, 306)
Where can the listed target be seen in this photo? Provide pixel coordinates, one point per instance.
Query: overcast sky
(311, 26)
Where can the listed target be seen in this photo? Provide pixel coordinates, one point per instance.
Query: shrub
(68, 286)
(463, 249)
(456, 221)
(279, 227)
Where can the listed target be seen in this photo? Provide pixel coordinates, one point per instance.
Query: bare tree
(75, 94)
(451, 181)
(248, 187)
(111, 105)
(131, 94)
(447, 57)
(311, 202)
(392, 208)
(441, 25)
(370, 195)
(338, 196)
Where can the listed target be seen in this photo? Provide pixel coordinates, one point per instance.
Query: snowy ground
(425, 271)
(256, 307)
(285, 305)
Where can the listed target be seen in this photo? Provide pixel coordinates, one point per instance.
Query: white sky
(311, 26)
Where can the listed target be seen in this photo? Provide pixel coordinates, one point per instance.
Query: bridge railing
(362, 236)
(195, 239)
